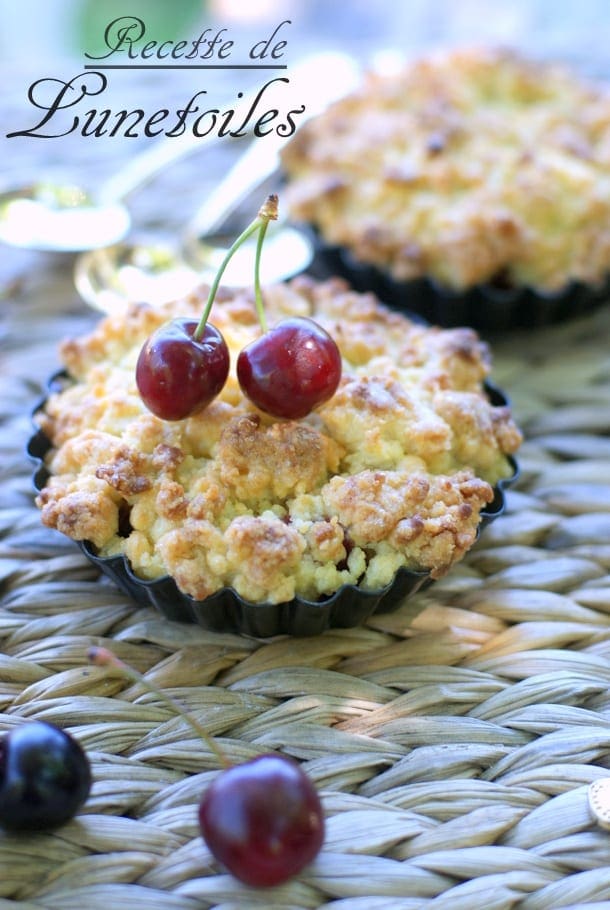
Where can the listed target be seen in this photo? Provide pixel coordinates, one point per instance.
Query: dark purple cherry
(290, 369)
(263, 820)
(178, 374)
(44, 777)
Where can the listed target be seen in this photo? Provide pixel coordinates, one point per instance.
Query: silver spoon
(67, 218)
(49, 217)
(157, 271)
(109, 278)
(45, 216)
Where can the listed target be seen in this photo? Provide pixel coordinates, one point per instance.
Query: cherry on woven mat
(45, 777)
(262, 819)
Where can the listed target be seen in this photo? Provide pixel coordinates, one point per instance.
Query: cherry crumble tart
(393, 471)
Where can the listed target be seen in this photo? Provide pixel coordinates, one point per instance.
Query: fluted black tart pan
(491, 308)
(226, 610)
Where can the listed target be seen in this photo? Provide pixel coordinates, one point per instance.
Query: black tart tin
(486, 307)
(228, 612)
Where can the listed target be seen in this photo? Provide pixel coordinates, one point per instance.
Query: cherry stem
(102, 657)
(258, 294)
(266, 213)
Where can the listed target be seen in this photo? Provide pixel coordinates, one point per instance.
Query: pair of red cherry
(286, 372)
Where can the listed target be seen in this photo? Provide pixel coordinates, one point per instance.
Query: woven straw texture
(453, 741)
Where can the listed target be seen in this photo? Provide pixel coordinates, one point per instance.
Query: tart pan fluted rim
(489, 308)
(226, 610)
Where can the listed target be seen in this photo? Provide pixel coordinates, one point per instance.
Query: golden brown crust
(274, 462)
(392, 471)
(466, 165)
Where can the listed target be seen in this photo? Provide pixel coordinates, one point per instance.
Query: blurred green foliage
(165, 20)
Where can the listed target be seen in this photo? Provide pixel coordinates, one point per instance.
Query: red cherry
(178, 374)
(263, 820)
(291, 369)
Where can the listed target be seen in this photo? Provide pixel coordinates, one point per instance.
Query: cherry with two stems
(262, 819)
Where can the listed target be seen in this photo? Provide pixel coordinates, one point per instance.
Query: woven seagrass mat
(453, 741)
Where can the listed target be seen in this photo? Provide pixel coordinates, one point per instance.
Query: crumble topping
(467, 166)
(392, 471)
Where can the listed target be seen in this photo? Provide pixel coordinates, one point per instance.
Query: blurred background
(578, 29)
(48, 38)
